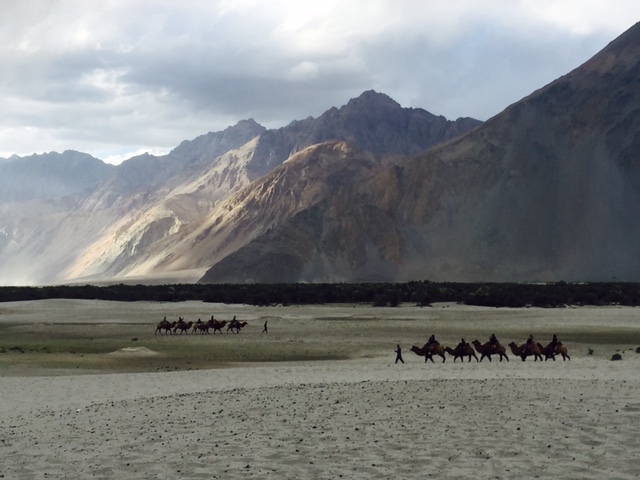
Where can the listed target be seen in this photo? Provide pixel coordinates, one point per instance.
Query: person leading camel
(399, 354)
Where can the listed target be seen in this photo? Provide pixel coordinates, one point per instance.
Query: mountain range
(547, 190)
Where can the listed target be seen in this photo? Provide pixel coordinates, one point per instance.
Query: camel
(488, 349)
(198, 327)
(212, 323)
(182, 326)
(547, 351)
(236, 325)
(428, 351)
(165, 325)
(550, 352)
(529, 349)
(461, 352)
(161, 325)
(217, 325)
(562, 351)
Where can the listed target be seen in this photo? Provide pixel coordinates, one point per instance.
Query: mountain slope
(142, 237)
(547, 190)
(100, 230)
(148, 174)
(172, 244)
(309, 177)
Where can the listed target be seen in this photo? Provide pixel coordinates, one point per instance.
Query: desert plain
(88, 389)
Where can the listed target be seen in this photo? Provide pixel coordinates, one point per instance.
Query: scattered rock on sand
(616, 356)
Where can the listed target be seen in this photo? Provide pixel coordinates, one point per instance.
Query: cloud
(116, 158)
(304, 71)
(120, 76)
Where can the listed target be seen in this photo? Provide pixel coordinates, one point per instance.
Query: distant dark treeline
(422, 293)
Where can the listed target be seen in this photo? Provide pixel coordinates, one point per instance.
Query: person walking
(265, 330)
(399, 354)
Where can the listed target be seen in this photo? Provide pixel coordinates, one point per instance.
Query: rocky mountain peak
(371, 103)
(214, 144)
(372, 121)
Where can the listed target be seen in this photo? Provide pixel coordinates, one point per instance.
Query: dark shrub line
(421, 293)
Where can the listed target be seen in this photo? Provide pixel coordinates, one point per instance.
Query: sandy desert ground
(87, 390)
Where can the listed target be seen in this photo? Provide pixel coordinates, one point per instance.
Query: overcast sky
(114, 78)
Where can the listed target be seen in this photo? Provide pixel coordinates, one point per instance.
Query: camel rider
(530, 340)
(462, 343)
(430, 342)
(493, 341)
(555, 342)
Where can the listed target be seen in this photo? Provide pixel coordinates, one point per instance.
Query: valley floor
(318, 396)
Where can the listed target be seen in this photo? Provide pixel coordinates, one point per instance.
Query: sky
(116, 78)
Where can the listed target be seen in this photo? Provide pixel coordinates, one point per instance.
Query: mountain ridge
(58, 175)
(153, 210)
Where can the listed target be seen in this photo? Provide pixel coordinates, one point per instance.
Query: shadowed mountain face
(547, 190)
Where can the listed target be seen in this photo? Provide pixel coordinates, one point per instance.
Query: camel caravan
(211, 326)
(530, 348)
(433, 348)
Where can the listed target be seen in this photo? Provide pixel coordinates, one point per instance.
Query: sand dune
(364, 417)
